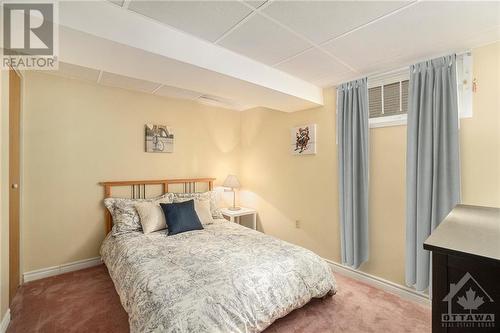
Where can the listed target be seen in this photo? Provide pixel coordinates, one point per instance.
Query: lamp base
(234, 208)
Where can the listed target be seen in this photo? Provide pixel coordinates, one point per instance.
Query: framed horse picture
(159, 139)
(303, 139)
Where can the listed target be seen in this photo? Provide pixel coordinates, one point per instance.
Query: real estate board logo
(469, 305)
(30, 38)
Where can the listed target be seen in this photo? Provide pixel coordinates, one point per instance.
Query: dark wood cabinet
(466, 271)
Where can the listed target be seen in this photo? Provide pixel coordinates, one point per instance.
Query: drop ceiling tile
(313, 64)
(264, 41)
(206, 19)
(76, 72)
(256, 3)
(174, 92)
(117, 2)
(419, 31)
(323, 20)
(335, 79)
(125, 82)
(485, 37)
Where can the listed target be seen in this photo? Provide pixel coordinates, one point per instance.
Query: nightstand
(235, 215)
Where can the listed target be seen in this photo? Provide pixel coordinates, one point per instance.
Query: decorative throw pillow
(210, 195)
(124, 214)
(181, 217)
(202, 209)
(151, 216)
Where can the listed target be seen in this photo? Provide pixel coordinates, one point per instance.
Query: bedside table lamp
(232, 182)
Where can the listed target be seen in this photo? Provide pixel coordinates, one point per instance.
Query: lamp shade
(231, 181)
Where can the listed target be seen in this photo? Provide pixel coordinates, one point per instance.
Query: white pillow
(202, 208)
(125, 217)
(210, 195)
(151, 216)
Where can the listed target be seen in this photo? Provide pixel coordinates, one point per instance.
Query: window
(404, 95)
(375, 102)
(388, 94)
(388, 99)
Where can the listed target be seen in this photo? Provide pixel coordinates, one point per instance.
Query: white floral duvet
(225, 278)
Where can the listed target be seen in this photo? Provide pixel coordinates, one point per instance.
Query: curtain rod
(400, 69)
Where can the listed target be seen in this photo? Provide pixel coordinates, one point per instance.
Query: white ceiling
(320, 21)
(125, 82)
(138, 47)
(274, 53)
(82, 73)
(193, 16)
(424, 29)
(263, 40)
(326, 42)
(77, 72)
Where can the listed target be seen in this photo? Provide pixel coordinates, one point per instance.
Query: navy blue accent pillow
(181, 217)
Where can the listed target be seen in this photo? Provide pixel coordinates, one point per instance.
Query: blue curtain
(432, 166)
(352, 131)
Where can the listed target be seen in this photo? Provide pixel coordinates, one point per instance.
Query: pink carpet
(86, 301)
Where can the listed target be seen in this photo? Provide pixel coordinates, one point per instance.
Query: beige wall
(77, 134)
(480, 135)
(387, 203)
(4, 193)
(286, 188)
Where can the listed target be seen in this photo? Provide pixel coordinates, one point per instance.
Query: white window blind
(388, 98)
(375, 102)
(392, 99)
(388, 94)
(404, 96)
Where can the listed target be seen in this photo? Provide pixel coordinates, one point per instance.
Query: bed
(225, 278)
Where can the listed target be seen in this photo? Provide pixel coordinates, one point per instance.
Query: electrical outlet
(297, 224)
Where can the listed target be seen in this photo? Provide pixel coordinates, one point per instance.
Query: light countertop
(469, 229)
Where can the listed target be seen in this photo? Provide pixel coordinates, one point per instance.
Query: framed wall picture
(159, 139)
(303, 139)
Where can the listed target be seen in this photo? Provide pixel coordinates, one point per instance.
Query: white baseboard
(56, 270)
(391, 287)
(5, 322)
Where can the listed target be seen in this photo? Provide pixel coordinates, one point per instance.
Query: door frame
(15, 238)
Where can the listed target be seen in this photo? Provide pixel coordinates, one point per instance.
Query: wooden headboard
(138, 189)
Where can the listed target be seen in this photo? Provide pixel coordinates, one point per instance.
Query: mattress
(225, 278)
